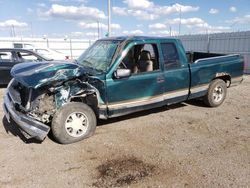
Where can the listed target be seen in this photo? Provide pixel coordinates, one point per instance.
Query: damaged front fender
(78, 90)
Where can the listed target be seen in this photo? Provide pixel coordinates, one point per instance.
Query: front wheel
(73, 122)
(216, 94)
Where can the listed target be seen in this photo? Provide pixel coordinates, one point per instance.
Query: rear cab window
(170, 55)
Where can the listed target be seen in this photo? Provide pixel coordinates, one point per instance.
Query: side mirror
(122, 73)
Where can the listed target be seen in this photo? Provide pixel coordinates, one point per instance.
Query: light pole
(98, 28)
(13, 31)
(180, 21)
(70, 45)
(31, 29)
(47, 40)
(109, 19)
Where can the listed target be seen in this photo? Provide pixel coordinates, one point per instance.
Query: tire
(73, 122)
(216, 94)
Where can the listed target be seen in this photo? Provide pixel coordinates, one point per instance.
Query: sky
(82, 18)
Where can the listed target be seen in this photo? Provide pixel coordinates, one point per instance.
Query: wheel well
(225, 78)
(91, 100)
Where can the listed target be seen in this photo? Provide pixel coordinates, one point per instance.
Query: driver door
(140, 90)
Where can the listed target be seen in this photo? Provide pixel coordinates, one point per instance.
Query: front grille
(14, 94)
(24, 94)
(19, 93)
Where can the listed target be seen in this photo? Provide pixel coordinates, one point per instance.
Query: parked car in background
(23, 45)
(52, 54)
(12, 56)
(45, 52)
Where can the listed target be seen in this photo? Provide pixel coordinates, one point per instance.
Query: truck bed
(195, 56)
(205, 67)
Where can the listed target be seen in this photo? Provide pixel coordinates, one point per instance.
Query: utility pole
(13, 31)
(208, 41)
(98, 28)
(45, 37)
(180, 22)
(31, 29)
(109, 19)
(70, 46)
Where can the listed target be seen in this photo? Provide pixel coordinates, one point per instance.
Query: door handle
(160, 79)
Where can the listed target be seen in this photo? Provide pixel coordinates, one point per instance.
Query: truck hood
(35, 75)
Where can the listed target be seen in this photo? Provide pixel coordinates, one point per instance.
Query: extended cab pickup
(115, 76)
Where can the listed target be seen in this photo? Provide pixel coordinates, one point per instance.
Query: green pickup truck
(114, 77)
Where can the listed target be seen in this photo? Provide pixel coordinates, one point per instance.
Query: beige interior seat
(145, 64)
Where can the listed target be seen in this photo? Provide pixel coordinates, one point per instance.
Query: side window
(5, 56)
(170, 56)
(26, 56)
(141, 58)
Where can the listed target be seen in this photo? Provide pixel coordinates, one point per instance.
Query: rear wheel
(73, 122)
(216, 94)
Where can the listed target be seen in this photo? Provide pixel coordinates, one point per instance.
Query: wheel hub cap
(218, 94)
(76, 124)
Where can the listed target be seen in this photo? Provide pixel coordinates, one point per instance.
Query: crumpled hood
(35, 75)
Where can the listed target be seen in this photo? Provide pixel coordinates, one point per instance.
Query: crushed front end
(33, 109)
(37, 91)
(17, 106)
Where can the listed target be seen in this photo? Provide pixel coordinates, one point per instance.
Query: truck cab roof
(122, 38)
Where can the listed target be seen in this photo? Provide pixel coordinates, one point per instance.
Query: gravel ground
(183, 145)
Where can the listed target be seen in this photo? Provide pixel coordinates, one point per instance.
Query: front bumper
(33, 128)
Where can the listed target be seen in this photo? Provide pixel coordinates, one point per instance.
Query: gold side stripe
(137, 102)
(176, 94)
(150, 100)
(199, 88)
(154, 99)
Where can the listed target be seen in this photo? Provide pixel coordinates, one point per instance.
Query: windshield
(99, 55)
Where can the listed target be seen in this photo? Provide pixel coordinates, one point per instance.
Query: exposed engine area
(43, 108)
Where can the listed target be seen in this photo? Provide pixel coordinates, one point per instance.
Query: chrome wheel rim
(76, 124)
(218, 94)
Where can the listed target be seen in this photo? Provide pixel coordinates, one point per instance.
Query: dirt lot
(184, 145)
